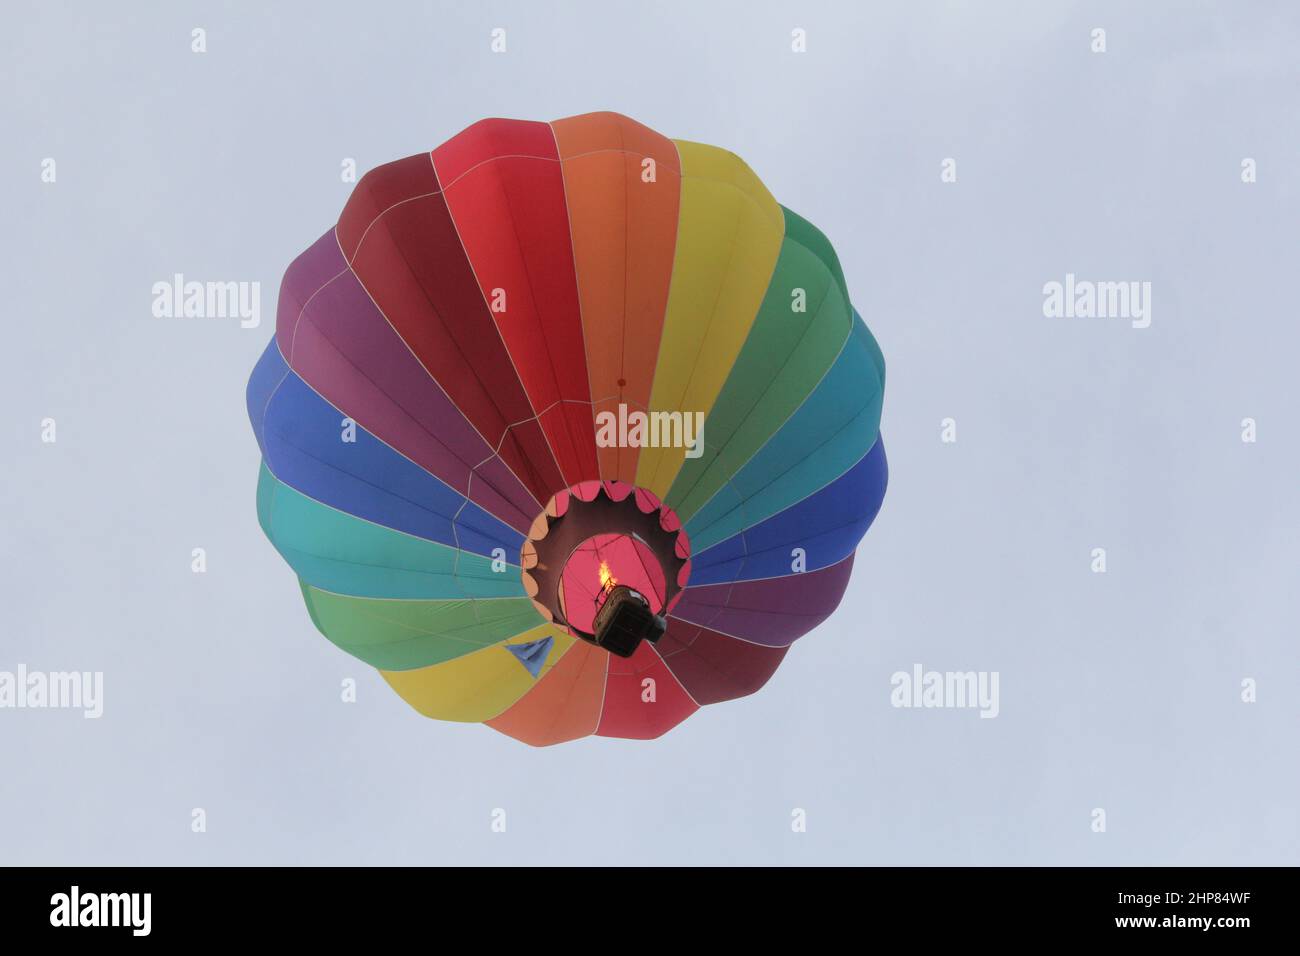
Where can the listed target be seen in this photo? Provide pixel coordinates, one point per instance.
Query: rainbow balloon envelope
(568, 428)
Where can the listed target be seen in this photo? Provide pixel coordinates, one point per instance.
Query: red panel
(715, 667)
(399, 237)
(505, 189)
(627, 713)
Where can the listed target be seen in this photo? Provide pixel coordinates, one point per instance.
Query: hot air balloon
(568, 428)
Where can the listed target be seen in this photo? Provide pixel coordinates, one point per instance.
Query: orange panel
(564, 705)
(623, 217)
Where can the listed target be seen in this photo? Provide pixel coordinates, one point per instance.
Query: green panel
(786, 355)
(345, 554)
(402, 635)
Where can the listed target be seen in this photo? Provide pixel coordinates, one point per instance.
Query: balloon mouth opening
(606, 561)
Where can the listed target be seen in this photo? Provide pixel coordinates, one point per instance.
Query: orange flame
(607, 580)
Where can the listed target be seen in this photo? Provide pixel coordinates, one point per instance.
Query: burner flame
(607, 580)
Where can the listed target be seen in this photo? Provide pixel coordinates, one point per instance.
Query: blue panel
(827, 525)
(300, 435)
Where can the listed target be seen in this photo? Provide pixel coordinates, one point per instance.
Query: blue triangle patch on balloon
(533, 654)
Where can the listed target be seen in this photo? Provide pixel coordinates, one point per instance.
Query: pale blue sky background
(1118, 691)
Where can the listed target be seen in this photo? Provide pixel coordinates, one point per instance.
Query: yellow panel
(477, 686)
(728, 238)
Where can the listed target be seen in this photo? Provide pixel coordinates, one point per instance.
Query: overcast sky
(1119, 691)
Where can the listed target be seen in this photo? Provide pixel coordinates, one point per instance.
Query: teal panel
(828, 434)
(338, 552)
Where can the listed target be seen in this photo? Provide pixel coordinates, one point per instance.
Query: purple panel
(335, 338)
(772, 611)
